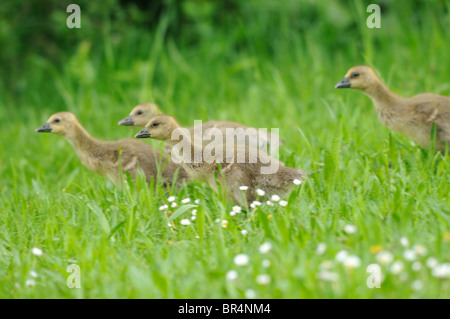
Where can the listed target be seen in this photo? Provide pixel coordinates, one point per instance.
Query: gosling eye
(354, 75)
(154, 124)
(56, 120)
(139, 112)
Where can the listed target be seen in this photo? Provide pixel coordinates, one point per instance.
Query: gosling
(107, 158)
(412, 117)
(255, 174)
(142, 113)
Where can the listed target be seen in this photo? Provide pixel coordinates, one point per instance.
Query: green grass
(260, 72)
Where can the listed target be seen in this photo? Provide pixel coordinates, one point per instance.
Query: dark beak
(344, 83)
(143, 133)
(128, 121)
(44, 128)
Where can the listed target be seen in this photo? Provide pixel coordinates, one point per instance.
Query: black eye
(155, 124)
(56, 120)
(139, 112)
(355, 74)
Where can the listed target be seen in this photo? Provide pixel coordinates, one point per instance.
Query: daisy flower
(265, 248)
(237, 209)
(36, 251)
(275, 198)
(232, 275)
(185, 222)
(283, 203)
(171, 199)
(241, 260)
(263, 279)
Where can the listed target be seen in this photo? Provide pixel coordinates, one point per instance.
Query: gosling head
(61, 123)
(159, 127)
(358, 77)
(141, 114)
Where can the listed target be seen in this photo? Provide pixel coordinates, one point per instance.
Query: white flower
(352, 261)
(250, 294)
(36, 251)
(232, 275)
(385, 257)
(197, 201)
(163, 207)
(269, 203)
(30, 283)
(241, 260)
(432, 262)
(171, 199)
(194, 212)
(416, 266)
(197, 236)
(260, 192)
(217, 220)
(326, 275)
(297, 181)
(321, 247)
(409, 255)
(404, 241)
(186, 200)
(193, 218)
(255, 203)
(232, 213)
(243, 188)
(237, 209)
(441, 271)
(341, 256)
(224, 223)
(265, 248)
(417, 285)
(33, 274)
(185, 222)
(275, 198)
(263, 279)
(169, 224)
(397, 267)
(283, 203)
(350, 229)
(421, 250)
(173, 204)
(266, 263)
(244, 232)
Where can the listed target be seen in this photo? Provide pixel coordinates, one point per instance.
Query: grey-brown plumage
(141, 114)
(412, 117)
(108, 157)
(253, 169)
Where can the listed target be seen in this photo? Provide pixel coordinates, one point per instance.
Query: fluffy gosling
(106, 158)
(412, 117)
(232, 172)
(142, 113)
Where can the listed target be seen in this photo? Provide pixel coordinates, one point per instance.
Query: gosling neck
(383, 99)
(183, 139)
(81, 140)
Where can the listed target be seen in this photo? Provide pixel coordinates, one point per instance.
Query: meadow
(378, 196)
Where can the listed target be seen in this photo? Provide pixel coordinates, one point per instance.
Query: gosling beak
(344, 83)
(44, 128)
(128, 121)
(143, 133)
